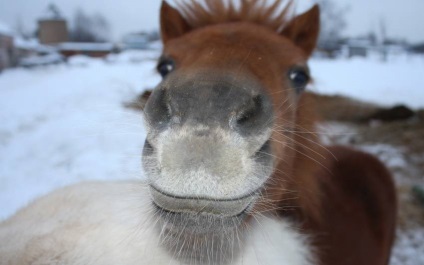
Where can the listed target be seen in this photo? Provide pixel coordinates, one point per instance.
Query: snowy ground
(65, 124)
(396, 82)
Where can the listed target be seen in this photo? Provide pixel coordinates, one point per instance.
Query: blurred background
(72, 75)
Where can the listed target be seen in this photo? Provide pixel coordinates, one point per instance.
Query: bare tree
(383, 39)
(101, 26)
(383, 30)
(86, 28)
(21, 29)
(54, 11)
(332, 22)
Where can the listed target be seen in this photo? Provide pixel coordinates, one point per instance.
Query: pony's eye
(165, 67)
(299, 78)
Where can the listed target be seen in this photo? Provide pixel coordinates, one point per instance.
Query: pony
(236, 173)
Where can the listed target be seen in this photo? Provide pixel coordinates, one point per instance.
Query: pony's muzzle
(224, 208)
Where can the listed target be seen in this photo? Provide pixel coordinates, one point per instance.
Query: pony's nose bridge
(209, 103)
(227, 105)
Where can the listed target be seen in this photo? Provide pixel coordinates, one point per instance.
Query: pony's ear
(172, 23)
(303, 30)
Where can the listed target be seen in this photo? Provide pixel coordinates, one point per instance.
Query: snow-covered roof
(85, 46)
(24, 44)
(6, 30)
(156, 45)
(34, 45)
(46, 49)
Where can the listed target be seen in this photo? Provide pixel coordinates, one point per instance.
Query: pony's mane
(209, 12)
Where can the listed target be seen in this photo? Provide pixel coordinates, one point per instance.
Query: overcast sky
(404, 18)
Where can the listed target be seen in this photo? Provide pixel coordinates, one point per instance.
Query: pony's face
(214, 121)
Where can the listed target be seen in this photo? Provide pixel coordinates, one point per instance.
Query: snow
(132, 56)
(38, 60)
(5, 30)
(21, 43)
(81, 60)
(67, 123)
(85, 46)
(156, 45)
(407, 243)
(33, 45)
(398, 81)
(393, 157)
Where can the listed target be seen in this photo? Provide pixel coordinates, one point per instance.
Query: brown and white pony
(236, 174)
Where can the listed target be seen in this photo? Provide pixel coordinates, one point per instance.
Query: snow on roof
(34, 45)
(24, 44)
(85, 46)
(6, 30)
(46, 49)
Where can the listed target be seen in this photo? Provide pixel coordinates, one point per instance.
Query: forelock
(210, 12)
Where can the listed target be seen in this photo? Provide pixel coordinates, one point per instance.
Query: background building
(52, 28)
(7, 51)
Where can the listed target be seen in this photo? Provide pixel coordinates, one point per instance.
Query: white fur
(113, 223)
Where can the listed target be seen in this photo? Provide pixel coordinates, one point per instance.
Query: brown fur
(343, 198)
(359, 210)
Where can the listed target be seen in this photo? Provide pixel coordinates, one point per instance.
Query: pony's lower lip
(189, 205)
(168, 212)
(246, 195)
(198, 222)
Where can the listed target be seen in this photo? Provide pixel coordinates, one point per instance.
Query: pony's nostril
(148, 148)
(251, 112)
(264, 151)
(245, 117)
(158, 110)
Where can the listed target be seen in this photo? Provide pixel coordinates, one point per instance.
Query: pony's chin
(198, 223)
